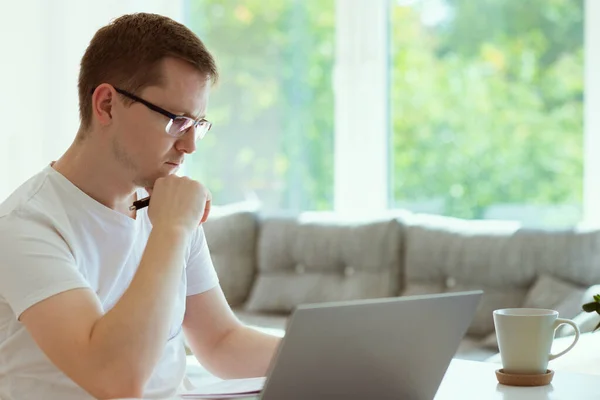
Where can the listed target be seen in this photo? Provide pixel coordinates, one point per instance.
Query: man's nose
(187, 142)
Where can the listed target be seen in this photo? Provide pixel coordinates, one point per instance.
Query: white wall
(41, 44)
(591, 150)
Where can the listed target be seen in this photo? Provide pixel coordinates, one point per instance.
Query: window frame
(362, 140)
(591, 118)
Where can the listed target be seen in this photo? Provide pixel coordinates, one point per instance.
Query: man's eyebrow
(195, 118)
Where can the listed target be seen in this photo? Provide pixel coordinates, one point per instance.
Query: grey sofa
(269, 264)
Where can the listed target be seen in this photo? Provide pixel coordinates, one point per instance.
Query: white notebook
(227, 389)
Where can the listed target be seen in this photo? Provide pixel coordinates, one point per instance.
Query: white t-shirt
(53, 238)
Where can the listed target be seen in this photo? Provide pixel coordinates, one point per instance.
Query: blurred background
(474, 109)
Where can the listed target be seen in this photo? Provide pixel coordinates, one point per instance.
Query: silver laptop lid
(392, 348)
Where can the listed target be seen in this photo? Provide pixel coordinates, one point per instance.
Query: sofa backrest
(325, 259)
(447, 254)
(275, 263)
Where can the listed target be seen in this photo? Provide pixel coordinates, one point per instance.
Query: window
(487, 108)
(484, 117)
(272, 110)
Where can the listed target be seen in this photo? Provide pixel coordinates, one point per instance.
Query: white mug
(525, 338)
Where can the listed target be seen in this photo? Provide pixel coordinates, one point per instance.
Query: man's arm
(225, 346)
(112, 355)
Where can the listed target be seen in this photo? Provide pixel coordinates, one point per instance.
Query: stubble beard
(124, 159)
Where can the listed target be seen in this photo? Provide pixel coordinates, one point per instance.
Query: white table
(468, 380)
(477, 380)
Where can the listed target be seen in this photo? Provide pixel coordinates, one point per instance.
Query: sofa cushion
(497, 253)
(302, 260)
(497, 256)
(231, 238)
(492, 299)
(586, 322)
(556, 294)
(469, 255)
(416, 288)
(550, 293)
(284, 291)
(493, 254)
(490, 341)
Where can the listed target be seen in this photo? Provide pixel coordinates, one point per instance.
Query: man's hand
(179, 202)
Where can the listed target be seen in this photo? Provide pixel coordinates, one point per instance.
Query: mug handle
(559, 322)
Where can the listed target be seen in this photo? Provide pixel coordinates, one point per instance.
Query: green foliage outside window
(486, 103)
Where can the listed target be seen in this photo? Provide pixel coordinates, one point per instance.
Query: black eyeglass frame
(172, 117)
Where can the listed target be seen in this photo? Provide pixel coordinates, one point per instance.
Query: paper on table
(226, 389)
(219, 396)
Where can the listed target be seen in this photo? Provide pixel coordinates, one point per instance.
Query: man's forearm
(128, 340)
(243, 353)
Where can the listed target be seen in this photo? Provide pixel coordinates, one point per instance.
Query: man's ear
(102, 102)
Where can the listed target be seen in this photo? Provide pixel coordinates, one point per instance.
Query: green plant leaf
(597, 298)
(589, 307)
(596, 328)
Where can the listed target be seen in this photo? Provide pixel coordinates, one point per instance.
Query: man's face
(140, 142)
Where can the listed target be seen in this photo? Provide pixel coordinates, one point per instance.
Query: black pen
(139, 204)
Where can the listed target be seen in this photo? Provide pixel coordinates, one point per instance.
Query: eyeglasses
(178, 124)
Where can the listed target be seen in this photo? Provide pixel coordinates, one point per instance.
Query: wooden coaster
(524, 379)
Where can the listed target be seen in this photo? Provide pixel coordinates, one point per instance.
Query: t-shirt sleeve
(200, 272)
(35, 263)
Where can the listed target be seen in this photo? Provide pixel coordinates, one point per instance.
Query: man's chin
(148, 181)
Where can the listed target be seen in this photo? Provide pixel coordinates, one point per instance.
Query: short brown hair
(128, 51)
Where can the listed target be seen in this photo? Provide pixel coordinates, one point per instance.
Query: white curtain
(41, 45)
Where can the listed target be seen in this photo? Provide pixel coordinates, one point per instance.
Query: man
(95, 298)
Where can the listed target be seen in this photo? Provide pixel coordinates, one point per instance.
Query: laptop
(392, 348)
